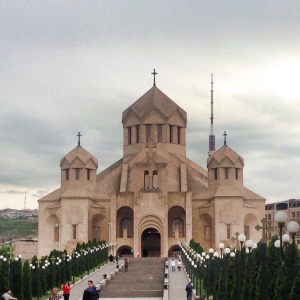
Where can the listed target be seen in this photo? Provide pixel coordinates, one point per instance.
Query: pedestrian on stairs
(126, 263)
(91, 292)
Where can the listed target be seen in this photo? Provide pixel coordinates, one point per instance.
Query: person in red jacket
(66, 290)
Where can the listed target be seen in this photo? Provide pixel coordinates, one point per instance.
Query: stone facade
(154, 197)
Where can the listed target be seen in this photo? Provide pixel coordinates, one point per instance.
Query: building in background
(291, 208)
(154, 196)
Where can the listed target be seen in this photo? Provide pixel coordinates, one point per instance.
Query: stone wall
(26, 249)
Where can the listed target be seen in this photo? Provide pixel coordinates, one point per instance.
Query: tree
(34, 277)
(274, 264)
(17, 278)
(4, 274)
(27, 281)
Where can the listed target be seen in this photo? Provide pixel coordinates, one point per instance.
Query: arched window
(146, 180)
(177, 228)
(154, 180)
(126, 224)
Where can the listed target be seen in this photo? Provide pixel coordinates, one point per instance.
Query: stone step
(138, 287)
(131, 294)
(145, 278)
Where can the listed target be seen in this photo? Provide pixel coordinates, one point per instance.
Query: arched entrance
(124, 251)
(174, 251)
(150, 242)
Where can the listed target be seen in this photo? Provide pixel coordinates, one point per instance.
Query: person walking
(179, 265)
(111, 258)
(126, 263)
(91, 292)
(55, 295)
(173, 265)
(189, 289)
(66, 290)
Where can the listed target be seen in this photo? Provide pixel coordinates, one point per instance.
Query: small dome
(225, 157)
(79, 153)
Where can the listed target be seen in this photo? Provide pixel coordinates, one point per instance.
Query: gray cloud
(76, 66)
(11, 192)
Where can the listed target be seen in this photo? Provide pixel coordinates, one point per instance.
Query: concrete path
(177, 282)
(97, 276)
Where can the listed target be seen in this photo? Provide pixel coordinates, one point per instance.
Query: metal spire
(211, 136)
(25, 201)
(154, 73)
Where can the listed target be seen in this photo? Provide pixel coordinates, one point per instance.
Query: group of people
(189, 287)
(113, 259)
(90, 293)
(173, 265)
(65, 292)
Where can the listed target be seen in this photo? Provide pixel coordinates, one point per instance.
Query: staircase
(144, 279)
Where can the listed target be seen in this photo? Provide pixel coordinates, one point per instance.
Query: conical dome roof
(225, 153)
(79, 153)
(155, 98)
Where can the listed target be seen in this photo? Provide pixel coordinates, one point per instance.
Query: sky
(70, 66)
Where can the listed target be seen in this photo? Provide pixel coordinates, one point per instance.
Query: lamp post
(64, 267)
(4, 272)
(293, 228)
(199, 261)
(109, 236)
(225, 252)
(208, 268)
(73, 266)
(38, 278)
(249, 245)
(53, 273)
(11, 254)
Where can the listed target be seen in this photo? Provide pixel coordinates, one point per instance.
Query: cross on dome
(225, 134)
(154, 73)
(79, 135)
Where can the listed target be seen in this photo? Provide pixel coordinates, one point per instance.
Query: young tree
(27, 281)
(17, 278)
(274, 264)
(34, 277)
(4, 273)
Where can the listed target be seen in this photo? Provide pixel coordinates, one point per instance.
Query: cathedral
(154, 196)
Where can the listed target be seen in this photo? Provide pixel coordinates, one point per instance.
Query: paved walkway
(177, 282)
(97, 276)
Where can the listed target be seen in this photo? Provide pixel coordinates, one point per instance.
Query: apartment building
(291, 208)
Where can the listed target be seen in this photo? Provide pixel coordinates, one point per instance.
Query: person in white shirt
(173, 264)
(7, 295)
(179, 265)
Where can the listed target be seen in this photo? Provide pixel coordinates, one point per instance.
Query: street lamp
(4, 270)
(224, 263)
(249, 245)
(293, 228)
(37, 276)
(109, 235)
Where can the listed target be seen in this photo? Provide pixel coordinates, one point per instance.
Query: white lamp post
(292, 227)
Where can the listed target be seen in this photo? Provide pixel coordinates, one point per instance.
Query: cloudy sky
(69, 66)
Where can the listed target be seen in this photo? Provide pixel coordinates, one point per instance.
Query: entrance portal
(150, 243)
